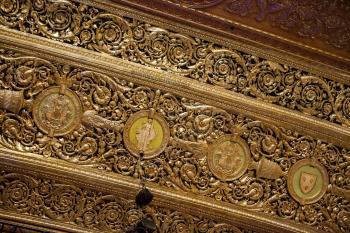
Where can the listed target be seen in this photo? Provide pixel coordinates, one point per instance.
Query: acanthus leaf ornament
(90, 119)
(198, 149)
(345, 193)
(342, 107)
(109, 102)
(139, 42)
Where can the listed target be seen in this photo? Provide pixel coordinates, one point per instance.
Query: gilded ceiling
(229, 134)
(321, 25)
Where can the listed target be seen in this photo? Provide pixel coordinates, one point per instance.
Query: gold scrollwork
(52, 200)
(109, 103)
(137, 41)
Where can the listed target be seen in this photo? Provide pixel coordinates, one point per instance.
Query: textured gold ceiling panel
(108, 103)
(191, 57)
(85, 87)
(319, 25)
(121, 187)
(89, 209)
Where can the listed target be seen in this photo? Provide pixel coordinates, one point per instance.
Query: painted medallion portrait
(147, 134)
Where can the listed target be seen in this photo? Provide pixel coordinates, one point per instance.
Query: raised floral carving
(137, 41)
(183, 164)
(91, 209)
(325, 20)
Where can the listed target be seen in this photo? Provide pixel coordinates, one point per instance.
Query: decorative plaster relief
(323, 20)
(190, 160)
(140, 42)
(66, 203)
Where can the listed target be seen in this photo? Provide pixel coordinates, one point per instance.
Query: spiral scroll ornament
(91, 209)
(192, 130)
(342, 107)
(134, 40)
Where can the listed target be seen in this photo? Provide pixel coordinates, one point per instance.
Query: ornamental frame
(277, 121)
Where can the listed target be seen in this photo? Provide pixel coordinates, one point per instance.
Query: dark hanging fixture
(143, 198)
(145, 225)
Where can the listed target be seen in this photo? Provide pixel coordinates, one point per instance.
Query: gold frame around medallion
(75, 102)
(211, 95)
(133, 148)
(325, 180)
(235, 174)
(122, 186)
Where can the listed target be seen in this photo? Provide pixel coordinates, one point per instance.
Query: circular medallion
(228, 157)
(307, 181)
(57, 111)
(146, 131)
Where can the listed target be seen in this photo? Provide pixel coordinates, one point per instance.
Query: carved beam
(333, 64)
(25, 222)
(126, 187)
(211, 95)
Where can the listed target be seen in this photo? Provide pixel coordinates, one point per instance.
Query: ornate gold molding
(194, 127)
(191, 57)
(18, 223)
(211, 95)
(313, 19)
(71, 99)
(231, 34)
(68, 204)
(59, 176)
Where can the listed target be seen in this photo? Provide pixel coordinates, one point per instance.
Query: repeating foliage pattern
(191, 57)
(183, 165)
(312, 19)
(93, 210)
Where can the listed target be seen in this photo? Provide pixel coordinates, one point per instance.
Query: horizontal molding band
(41, 224)
(192, 89)
(127, 187)
(243, 38)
